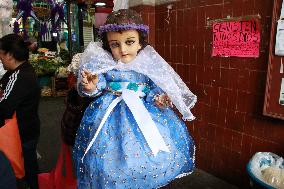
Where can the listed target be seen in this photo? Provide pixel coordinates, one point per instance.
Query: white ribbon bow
(142, 118)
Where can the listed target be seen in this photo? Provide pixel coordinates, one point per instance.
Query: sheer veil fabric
(149, 63)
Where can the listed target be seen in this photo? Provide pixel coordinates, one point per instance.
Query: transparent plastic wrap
(267, 168)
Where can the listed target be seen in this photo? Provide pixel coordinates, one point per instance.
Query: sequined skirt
(120, 157)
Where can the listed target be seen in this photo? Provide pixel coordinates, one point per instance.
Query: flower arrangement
(75, 63)
(62, 72)
(42, 50)
(45, 65)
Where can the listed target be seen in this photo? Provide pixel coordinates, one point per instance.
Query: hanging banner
(236, 38)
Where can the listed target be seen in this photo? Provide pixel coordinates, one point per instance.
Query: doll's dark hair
(124, 17)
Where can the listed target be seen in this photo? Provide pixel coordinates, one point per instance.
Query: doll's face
(124, 45)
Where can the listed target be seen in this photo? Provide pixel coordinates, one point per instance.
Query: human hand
(163, 101)
(89, 81)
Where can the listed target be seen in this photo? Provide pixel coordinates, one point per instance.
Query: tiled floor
(51, 110)
(202, 180)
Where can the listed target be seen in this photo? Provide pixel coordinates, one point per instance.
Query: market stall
(48, 24)
(56, 30)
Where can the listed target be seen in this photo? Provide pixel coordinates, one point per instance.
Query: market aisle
(51, 110)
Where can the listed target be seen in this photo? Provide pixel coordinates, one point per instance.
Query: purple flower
(116, 27)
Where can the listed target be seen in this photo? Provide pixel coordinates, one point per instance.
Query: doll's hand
(163, 101)
(89, 81)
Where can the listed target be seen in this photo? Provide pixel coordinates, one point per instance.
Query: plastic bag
(55, 179)
(10, 144)
(269, 168)
(274, 176)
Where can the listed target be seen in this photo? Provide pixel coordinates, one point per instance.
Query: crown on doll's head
(116, 27)
(123, 19)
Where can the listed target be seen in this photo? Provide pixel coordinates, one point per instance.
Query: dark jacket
(21, 93)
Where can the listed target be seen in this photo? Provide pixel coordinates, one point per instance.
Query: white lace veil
(148, 62)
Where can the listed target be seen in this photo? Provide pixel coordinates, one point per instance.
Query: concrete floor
(51, 110)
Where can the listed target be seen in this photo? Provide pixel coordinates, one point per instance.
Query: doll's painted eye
(129, 42)
(114, 45)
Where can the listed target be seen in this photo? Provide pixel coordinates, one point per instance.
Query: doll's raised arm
(89, 81)
(90, 84)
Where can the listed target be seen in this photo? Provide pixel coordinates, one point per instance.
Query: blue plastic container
(44, 81)
(255, 182)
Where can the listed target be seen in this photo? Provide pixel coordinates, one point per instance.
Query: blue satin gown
(120, 157)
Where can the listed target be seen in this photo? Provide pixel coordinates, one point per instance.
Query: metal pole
(69, 27)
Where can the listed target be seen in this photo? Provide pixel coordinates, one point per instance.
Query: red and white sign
(236, 38)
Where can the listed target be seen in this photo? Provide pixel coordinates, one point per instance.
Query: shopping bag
(10, 144)
(55, 179)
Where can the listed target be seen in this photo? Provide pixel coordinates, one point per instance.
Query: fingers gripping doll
(129, 136)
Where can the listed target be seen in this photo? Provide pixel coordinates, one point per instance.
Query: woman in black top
(20, 93)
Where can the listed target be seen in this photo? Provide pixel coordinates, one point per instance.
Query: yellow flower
(42, 50)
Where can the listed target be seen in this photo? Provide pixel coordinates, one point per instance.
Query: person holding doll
(129, 136)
